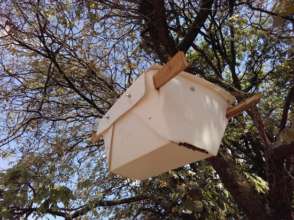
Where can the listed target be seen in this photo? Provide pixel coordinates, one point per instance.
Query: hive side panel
(194, 114)
(108, 143)
(213, 87)
(123, 105)
(132, 139)
(184, 111)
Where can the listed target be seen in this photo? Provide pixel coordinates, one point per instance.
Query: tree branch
(281, 184)
(258, 122)
(289, 18)
(205, 8)
(96, 203)
(283, 151)
(242, 191)
(289, 99)
(232, 59)
(156, 25)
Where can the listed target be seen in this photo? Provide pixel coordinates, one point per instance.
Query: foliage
(64, 63)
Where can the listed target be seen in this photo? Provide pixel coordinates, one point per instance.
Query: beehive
(150, 131)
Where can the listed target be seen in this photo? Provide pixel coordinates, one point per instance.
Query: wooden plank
(172, 68)
(95, 138)
(242, 106)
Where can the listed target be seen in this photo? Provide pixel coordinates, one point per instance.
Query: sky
(6, 163)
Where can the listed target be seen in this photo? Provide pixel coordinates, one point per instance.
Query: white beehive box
(149, 131)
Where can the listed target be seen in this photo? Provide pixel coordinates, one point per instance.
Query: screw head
(128, 95)
(192, 88)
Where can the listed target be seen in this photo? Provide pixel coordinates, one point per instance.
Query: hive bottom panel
(165, 158)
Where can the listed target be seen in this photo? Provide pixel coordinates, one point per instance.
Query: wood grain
(242, 106)
(172, 68)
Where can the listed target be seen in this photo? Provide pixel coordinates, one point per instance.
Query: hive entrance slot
(192, 147)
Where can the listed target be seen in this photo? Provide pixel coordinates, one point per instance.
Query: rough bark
(242, 191)
(281, 187)
(157, 35)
